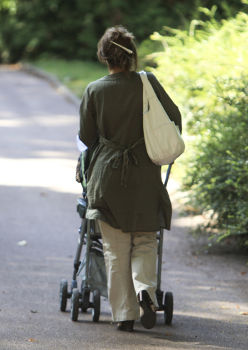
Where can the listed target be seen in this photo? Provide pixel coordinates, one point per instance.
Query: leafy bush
(205, 70)
(71, 29)
(218, 174)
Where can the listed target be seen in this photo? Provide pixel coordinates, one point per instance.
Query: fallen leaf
(244, 313)
(243, 273)
(32, 340)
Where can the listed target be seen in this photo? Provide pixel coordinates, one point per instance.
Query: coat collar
(120, 75)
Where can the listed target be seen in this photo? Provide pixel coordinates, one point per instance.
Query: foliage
(71, 29)
(205, 70)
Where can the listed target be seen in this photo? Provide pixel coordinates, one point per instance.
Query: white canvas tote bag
(162, 137)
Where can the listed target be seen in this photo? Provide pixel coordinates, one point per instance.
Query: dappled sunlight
(51, 154)
(58, 120)
(11, 123)
(189, 221)
(52, 173)
(239, 308)
(222, 309)
(42, 120)
(53, 144)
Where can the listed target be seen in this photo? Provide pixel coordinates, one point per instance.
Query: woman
(124, 189)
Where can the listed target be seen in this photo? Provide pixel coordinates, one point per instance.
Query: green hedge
(218, 173)
(205, 70)
(71, 29)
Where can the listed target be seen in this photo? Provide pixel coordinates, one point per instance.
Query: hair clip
(123, 47)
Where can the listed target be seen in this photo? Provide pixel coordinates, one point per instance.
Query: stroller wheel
(168, 308)
(74, 304)
(63, 295)
(96, 305)
(85, 299)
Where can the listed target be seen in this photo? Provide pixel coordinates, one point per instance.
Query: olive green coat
(124, 187)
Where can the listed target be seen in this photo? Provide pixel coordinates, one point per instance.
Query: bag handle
(147, 85)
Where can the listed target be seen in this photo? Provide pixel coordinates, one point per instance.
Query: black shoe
(147, 310)
(126, 326)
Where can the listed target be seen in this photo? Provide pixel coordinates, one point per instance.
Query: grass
(76, 75)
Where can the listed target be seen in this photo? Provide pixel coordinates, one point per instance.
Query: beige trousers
(130, 260)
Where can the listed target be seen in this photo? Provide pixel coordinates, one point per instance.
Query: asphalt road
(38, 206)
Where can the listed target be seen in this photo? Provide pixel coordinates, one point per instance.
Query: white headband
(123, 47)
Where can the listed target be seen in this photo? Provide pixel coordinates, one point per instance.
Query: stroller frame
(87, 297)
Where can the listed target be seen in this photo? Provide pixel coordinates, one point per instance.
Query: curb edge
(53, 81)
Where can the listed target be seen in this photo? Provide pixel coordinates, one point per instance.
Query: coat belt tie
(125, 154)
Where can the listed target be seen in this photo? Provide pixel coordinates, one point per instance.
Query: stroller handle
(168, 174)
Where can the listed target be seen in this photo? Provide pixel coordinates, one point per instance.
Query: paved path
(37, 204)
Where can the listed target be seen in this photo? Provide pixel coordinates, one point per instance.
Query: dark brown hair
(114, 55)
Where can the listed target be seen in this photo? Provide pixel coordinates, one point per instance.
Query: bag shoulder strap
(147, 85)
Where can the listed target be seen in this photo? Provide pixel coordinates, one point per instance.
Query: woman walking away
(124, 188)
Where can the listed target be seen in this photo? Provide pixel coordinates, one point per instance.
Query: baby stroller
(92, 268)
